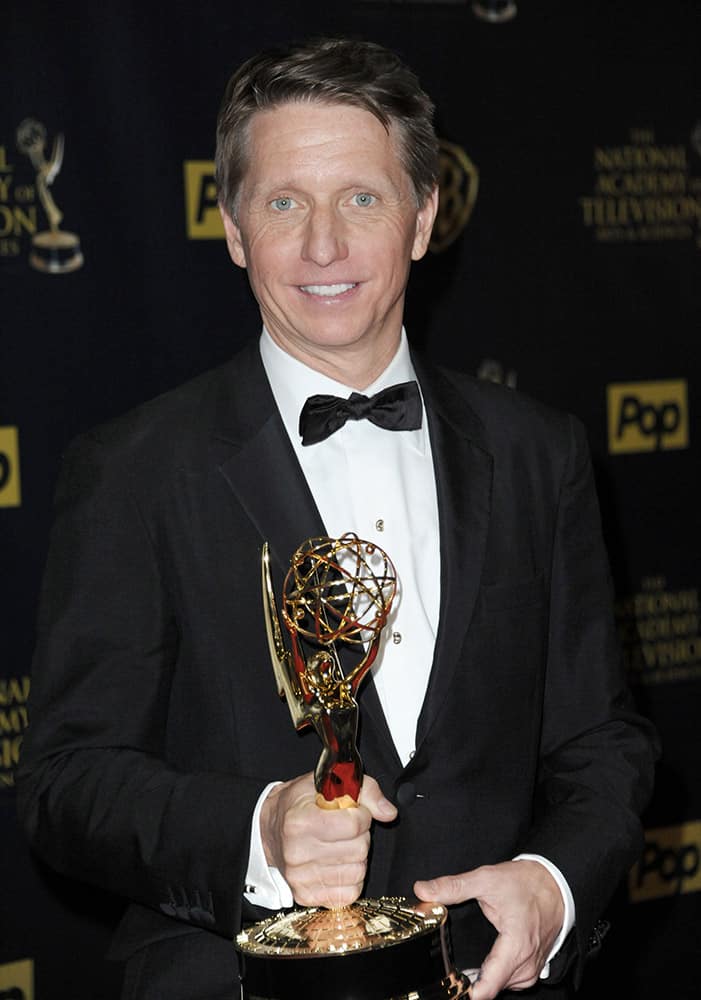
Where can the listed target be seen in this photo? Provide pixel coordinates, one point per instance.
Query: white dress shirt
(380, 485)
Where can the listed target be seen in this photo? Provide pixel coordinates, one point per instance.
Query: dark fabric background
(531, 291)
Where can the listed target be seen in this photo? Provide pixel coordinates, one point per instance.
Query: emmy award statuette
(53, 251)
(339, 591)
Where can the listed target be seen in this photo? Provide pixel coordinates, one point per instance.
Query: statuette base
(384, 949)
(56, 252)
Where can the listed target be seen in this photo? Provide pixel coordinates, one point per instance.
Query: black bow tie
(397, 408)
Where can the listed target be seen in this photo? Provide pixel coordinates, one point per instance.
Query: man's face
(327, 227)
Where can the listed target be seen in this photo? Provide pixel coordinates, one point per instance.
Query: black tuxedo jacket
(154, 721)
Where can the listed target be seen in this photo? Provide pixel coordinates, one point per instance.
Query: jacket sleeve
(96, 795)
(597, 753)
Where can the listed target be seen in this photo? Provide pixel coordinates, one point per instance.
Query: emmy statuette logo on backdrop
(338, 593)
(54, 251)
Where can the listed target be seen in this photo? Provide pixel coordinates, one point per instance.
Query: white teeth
(327, 289)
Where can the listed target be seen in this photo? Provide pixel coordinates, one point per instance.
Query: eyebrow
(265, 189)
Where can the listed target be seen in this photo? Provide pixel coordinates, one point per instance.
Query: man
(505, 769)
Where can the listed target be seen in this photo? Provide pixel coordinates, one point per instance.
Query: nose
(324, 238)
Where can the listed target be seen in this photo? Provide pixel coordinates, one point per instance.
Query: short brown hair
(328, 71)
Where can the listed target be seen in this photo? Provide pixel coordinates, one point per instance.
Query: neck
(351, 365)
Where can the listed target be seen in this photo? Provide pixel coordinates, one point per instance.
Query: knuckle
(344, 896)
(455, 884)
(303, 897)
(293, 855)
(361, 820)
(364, 845)
(354, 853)
(293, 825)
(356, 874)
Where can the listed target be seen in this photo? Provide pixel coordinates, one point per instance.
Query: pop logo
(9, 468)
(17, 980)
(670, 865)
(201, 209)
(648, 416)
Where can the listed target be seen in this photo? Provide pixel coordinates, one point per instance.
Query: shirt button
(396, 638)
(380, 524)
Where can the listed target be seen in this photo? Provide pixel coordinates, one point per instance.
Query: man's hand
(321, 853)
(522, 900)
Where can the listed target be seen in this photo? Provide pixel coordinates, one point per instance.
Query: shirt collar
(292, 382)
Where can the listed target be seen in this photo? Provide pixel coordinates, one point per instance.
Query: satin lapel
(464, 482)
(254, 454)
(258, 462)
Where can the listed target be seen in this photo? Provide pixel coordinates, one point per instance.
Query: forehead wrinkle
(317, 155)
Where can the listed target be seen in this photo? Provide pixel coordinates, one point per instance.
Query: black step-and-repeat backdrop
(565, 264)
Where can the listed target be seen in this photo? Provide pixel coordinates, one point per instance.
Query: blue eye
(363, 200)
(282, 204)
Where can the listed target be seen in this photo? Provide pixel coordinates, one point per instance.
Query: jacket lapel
(463, 469)
(254, 455)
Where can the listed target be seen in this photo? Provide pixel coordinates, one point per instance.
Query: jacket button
(406, 794)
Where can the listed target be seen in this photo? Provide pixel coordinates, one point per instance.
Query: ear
(425, 217)
(234, 240)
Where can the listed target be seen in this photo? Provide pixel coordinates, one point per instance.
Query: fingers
(305, 820)
(507, 966)
(322, 854)
(374, 801)
(447, 889)
(523, 902)
(326, 885)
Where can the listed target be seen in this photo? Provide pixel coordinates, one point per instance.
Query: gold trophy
(53, 251)
(339, 591)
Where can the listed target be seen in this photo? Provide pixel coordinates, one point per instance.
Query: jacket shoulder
(174, 414)
(509, 414)
(148, 445)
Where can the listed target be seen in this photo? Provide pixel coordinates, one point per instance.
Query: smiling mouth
(328, 291)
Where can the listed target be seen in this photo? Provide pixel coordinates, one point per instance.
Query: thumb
(446, 889)
(374, 801)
